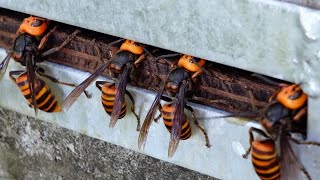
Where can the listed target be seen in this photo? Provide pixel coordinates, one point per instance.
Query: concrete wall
(34, 149)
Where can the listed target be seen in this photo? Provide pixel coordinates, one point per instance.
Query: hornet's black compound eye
(37, 23)
(296, 95)
(194, 60)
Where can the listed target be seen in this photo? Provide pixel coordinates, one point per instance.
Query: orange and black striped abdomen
(265, 160)
(46, 101)
(108, 95)
(168, 114)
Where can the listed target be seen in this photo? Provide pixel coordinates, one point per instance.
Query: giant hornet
(285, 112)
(122, 64)
(175, 120)
(27, 50)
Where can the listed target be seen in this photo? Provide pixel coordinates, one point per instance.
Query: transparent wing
(150, 116)
(177, 120)
(290, 165)
(4, 64)
(120, 95)
(74, 95)
(32, 78)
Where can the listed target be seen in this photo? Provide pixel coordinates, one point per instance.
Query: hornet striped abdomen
(46, 101)
(265, 159)
(168, 111)
(108, 96)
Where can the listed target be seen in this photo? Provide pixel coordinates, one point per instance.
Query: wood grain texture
(223, 87)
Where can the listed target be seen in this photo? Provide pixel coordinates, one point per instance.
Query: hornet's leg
(252, 139)
(141, 58)
(298, 116)
(157, 118)
(114, 50)
(98, 50)
(315, 143)
(273, 96)
(171, 64)
(40, 71)
(198, 125)
(53, 79)
(132, 109)
(196, 74)
(114, 42)
(149, 53)
(268, 80)
(153, 64)
(45, 38)
(56, 49)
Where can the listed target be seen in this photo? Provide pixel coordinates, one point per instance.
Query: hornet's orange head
(189, 63)
(292, 97)
(34, 26)
(132, 47)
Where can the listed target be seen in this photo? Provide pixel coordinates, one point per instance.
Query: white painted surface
(228, 137)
